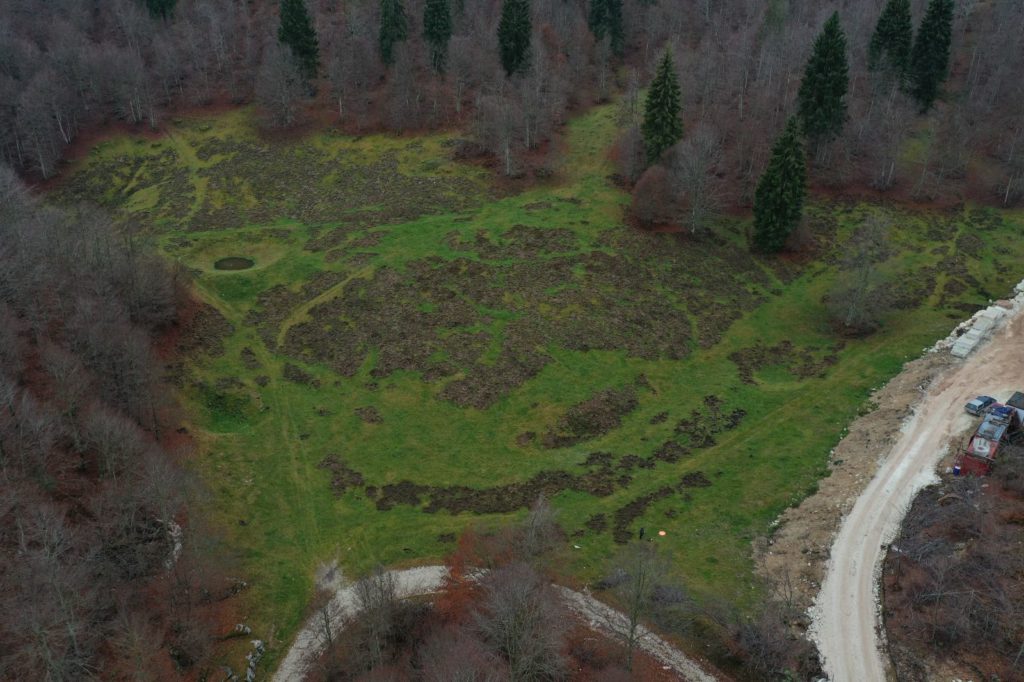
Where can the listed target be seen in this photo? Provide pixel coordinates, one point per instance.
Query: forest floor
(415, 351)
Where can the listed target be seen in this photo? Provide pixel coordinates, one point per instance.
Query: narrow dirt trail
(411, 582)
(846, 619)
(301, 312)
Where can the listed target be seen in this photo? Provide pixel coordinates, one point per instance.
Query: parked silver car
(980, 405)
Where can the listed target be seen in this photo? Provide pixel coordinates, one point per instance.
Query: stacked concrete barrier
(970, 334)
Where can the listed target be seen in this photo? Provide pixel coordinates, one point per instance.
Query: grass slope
(349, 234)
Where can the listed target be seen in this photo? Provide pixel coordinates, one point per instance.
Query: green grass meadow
(327, 214)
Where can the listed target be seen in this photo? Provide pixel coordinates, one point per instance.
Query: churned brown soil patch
(204, 332)
(343, 477)
(601, 413)
(599, 482)
(274, 305)
(696, 432)
(249, 359)
(802, 363)
(700, 428)
(369, 414)
(298, 375)
(434, 315)
(623, 518)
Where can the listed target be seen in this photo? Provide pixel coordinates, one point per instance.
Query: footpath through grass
(413, 353)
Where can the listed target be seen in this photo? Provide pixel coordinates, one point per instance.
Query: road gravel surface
(846, 619)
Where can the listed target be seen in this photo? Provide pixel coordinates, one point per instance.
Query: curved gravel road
(846, 615)
(429, 579)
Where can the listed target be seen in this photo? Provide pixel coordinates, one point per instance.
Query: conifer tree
(779, 198)
(662, 126)
(616, 32)
(605, 18)
(822, 96)
(394, 28)
(437, 31)
(296, 31)
(160, 9)
(892, 39)
(929, 60)
(597, 19)
(514, 33)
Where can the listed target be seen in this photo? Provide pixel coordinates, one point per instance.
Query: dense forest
(510, 71)
(102, 566)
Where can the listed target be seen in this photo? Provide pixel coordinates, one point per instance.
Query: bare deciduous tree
(858, 299)
(75, 307)
(692, 165)
(378, 603)
(540, 529)
(279, 87)
(456, 655)
(522, 621)
(639, 569)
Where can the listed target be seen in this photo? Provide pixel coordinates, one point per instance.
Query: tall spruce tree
(662, 126)
(891, 42)
(296, 31)
(514, 33)
(779, 198)
(929, 60)
(616, 31)
(437, 31)
(394, 28)
(822, 96)
(160, 9)
(605, 19)
(597, 18)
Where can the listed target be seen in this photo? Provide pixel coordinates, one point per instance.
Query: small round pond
(234, 263)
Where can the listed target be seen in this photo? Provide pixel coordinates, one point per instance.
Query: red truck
(1001, 425)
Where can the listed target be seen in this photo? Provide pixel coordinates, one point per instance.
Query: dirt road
(604, 618)
(309, 643)
(846, 620)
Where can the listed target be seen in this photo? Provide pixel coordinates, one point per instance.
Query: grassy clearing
(538, 302)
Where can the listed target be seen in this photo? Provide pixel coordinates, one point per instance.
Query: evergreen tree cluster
(779, 197)
(514, 35)
(921, 64)
(822, 96)
(662, 127)
(296, 31)
(605, 19)
(394, 28)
